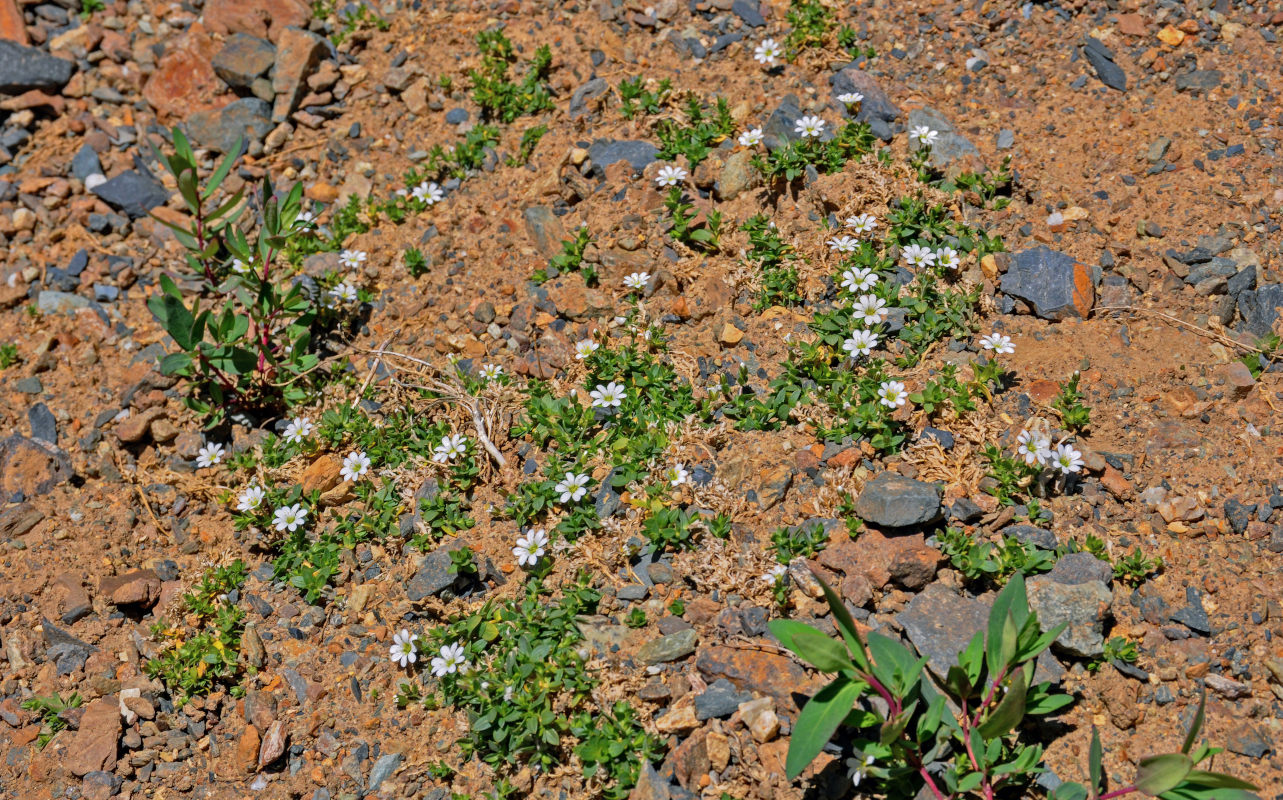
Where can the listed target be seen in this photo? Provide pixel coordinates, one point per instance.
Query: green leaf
(817, 723)
(846, 626)
(1094, 765)
(817, 649)
(1069, 791)
(225, 167)
(175, 317)
(891, 661)
(1217, 780)
(1157, 774)
(1009, 711)
(1196, 724)
(970, 781)
(175, 364)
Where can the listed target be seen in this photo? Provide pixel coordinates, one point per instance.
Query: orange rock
(1132, 24)
(1084, 290)
(1042, 391)
(1189, 26)
(262, 18)
(1116, 484)
(322, 475)
(322, 192)
(1171, 36)
(12, 27)
(184, 81)
(247, 749)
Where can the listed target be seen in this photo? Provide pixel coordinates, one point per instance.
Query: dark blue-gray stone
(779, 130)
(583, 95)
(243, 59)
(456, 115)
(1193, 615)
(382, 770)
(1031, 534)
(1102, 60)
(43, 426)
(66, 651)
(133, 193)
(1199, 79)
(893, 501)
(1074, 568)
(1006, 139)
(876, 108)
(1043, 278)
(23, 68)
(720, 699)
(1243, 281)
(1258, 309)
(245, 120)
(605, 152)
(749, 12)
(433, 576)
(951, 147)
(105, 293)
(85, 163)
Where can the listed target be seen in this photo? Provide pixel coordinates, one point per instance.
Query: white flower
(572, 487)
(429, 193)
(843, 244)
(870, 309)
(287, 518)
(239, 267)
(767, 52)
(859, 279)
(585, 348)
(250, 498)
(998, 343)
(403, 650)
(860, 343)
(209, 455)
(892, 394)
(677, 474)
(857, 769)
(948, 258)
(924, 135)
(298, 429)
(776, 574)
(863, 223)
(344, 291)
(530, 547)
(305, 219)
(352, 258)
(451, 447)
(451, 660)
(670, 175)
(354, 466)
(850, 98)
(1068, 459)
(751, 137)
(608, 396)
(809, 126)
(637, 280)
(1035, 448)
(916, 255)
(490, 371)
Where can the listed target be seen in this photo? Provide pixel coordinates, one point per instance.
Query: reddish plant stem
(1118, 793)
(993, 689)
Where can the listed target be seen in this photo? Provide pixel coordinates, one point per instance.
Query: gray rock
(1101, 59)
(1215, 268)
(952, 147)
(85, 163)
(43, 425)
(632, 591)
(605, 152)
(1258, 309)
(23, 68)
(891, 500)
(1085, 606)
(1075, 568)
(243, 59)
(133, 193)
(246, 120)
(34, 466)
(876, 108)
(66, 651)
(584, 95)
(651, 785)
(720, 699)
(1046, 280)
(1193, 615)
(1199, 80)
(1249, 740)
(668, 648)
(607, 501)
(779, 129)
(749, 12)
(737, 175)
(456, 115)
(29, 385)
(433, 575)
(382, 770)
(1006, 139)
(99, 785)
(1031, 534)
(48, 302)
(545, 229)
(1243, 281)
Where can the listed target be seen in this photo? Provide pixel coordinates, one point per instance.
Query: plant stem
(1118, 793)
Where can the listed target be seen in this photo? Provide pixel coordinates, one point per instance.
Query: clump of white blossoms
(924, 135)
(344, 292)
(429, 193)
(861, 343)
(870, 309)
(859, 279)
(751, 137)
(809, 127)
(298, 429)
(585, 348)
(530, 547)
(449, 661)
(288, 518)
(608, 396)
(892, 394)
(776, 574)
(862, 223)
(209, 455)
(670, 175)
(305, 219)
(1067, 459)
(490, 371)
(250, 497)
(355, 465)
(998, 343)
(404, 651)
(637, 281)
(677, 474)
(352, 258)
(767, 52)
(239, 267)
(572, 487)
(1034, 447)
(850, 99)
(948, 258)
(452, 446)
(843, 244)
(916, 255)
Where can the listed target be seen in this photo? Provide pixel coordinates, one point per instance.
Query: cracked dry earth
(1143, 252)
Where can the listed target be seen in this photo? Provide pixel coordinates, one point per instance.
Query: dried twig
(1211, 334)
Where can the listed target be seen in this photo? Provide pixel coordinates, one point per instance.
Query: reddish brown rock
(266, 19)
(247, 749)
(915, 566)
(273, 743)
(297, 54)
(31, 467)
(184, 80)
(757, 671)
(321, 475)
(94, 747)
(140, 587)
(873, 554)
(12, 26)
(1116, 484)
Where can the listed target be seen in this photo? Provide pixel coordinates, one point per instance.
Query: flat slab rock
(891, 500)
(1055, 286)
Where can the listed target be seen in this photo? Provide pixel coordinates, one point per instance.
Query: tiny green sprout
(677, 608)
(463, 562)
(636, 618)
(1134, 568)
(48, 708)
(416, 263)
(8, 355)
(704, 236)
(1117, 648)
(803, 541)
(1069, 403)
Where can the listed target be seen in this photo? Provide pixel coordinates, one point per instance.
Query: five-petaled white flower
(450, 660)
(250, 498)
(209, 455)
(850, 98)
(859, 279)
(857, 768)
(862, 223)
(767, 52)
(843, 244)
(585, 348)
(916, 255)
(776, 574)
(1034, 447)
(751, 137)
(429, 193)
(305, 219)
(355, 465)
(608, 396)
(403, 650)
(352, 258)
(530, 547)
(924, 135)
(870, 309)
(451, 447)
(490, 371)
(637, 280)
(860, 343)
(239, 267)
(1067, 459)
(948, 258)
(670, 175)
(287, 518)
(808, 127)
(344, 291)
(892, 394)
(998, 343)
(677, 474)
(572, 487)
(298, 429)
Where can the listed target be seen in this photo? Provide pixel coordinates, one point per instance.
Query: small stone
(668, 648)
(133, 193)
(760, 717)
(891, 500)
(382, 770)
(1193, 615)
(605, 152)
(297, 54)
(1031, 534)
(1102, 60)
(1225, 687)
(1055, 285)
(243, 59)
(951, 147)
(720, 699)
(876, 108)
(23, 68)
(31, 467)
(1249, 740)
(241, 121)
(274, 742)
(94, 747)
(1085, 606)
(729, 336)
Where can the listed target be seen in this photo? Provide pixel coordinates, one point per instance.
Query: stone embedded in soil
(85, 163)
(1226, 687)
(297, 54)
(650, 785)
(952, 147)
(133, 193)
(17, 520)
(749, 12)
(1101, 59)
(545, 230)
(579, 101)
(780, 129)
(243, 59)
(1084, 606)
(1249, 740)
(246, 120)
(140, 587)
(1074, 568)
(434, 575)
(893, 501)
(1054, 284)
(262, 18)
(1192, 615)
(100, 785)
(94, 746)
(1031, 534)
(30, 468)
(1258, 309)
(43, 424)
(604, 152)
(759, 672)
(274, 741)
(1199, 80)
(66, 651)
(668, 648)
(720, 699)
(876, 108)
(382, 770)
(23, 68)
(736, 176)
